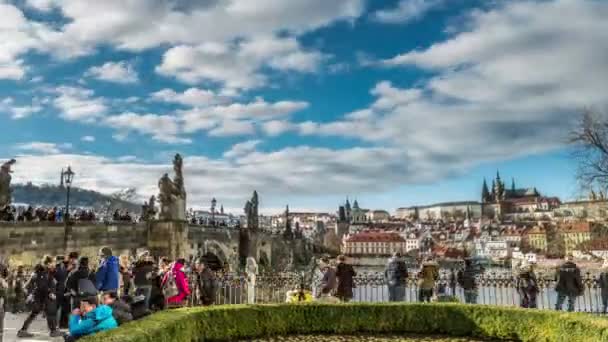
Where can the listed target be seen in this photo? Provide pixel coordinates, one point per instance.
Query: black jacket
(121, 312)
(143, 273)
(466, 278)
(569, 280)
(71, 284)
(61, 276)
(41, 285)
(207, 284)
(345, 274)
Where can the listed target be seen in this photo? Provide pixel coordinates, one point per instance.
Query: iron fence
(494, 288)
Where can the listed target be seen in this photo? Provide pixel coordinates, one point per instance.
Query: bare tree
(590, 138)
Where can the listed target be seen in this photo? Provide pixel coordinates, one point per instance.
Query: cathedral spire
(485, 193)
(513, 185)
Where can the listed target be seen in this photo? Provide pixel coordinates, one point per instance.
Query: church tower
(485, 193)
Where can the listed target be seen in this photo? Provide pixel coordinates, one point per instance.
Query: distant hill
(53, 195)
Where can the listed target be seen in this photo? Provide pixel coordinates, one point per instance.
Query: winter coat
(526, 282)
(99, 319)
(121, 312)
(207, 285)
(328, 282)
(143, 273)
(41, 285)
(181, 281)
(61, 275)
(466, 278)
(106, 278)
(345, 274)
(429, 275)
(569, 280)
(71, 284)
(396, 272)
(603, 283)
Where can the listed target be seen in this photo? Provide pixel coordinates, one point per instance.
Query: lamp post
(68, 177)
(213, 204)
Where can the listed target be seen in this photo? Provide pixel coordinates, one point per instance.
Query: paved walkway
(12, 324)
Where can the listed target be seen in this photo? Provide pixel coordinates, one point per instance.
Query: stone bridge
(27, 242)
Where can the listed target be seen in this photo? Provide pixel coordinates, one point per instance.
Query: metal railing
(493, 289)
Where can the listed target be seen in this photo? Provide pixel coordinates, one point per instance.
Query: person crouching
(90, 318)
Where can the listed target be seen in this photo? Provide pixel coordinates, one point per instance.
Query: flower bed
(247, 322)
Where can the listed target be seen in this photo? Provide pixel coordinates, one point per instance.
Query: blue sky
(395, 102)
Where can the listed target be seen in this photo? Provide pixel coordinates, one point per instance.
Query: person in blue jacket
(106, 278)
(89, 319)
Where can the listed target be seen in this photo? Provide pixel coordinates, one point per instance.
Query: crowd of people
(81, 300)
(336, 282)
(44, 214)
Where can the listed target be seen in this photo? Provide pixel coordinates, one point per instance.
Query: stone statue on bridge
(5, 183)
(148, 210)
(172, 196)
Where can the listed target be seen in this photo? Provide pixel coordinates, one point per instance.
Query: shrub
(229, 323)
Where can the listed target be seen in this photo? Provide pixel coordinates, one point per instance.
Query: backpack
(169, 287)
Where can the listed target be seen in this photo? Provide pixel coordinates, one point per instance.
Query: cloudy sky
(395, 102)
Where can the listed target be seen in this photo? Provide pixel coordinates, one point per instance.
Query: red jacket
(181, 281)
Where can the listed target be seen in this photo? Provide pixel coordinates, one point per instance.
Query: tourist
(207, 283)
(4, 287)
(569, 284)
(329, 282)
(527, 286)
(61, 275)
(143, 276)
(75, 278)
(427, 278)
(89, 319)
(17, 283)
(396, 277)
(603, 283)
(345, 274)
(121, 311)
(41, 290)
(466, 280)
(108, 272)
(175, 285)
(453, 281)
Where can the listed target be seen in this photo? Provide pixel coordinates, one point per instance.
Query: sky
(394, 103)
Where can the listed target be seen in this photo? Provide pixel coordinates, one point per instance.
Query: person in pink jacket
(182, 284)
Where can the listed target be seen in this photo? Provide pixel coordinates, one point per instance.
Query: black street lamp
(68, 177)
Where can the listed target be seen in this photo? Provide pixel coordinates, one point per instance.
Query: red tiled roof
(576, 227)
(375, 236)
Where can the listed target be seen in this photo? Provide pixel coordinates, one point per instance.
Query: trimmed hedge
(234, 322)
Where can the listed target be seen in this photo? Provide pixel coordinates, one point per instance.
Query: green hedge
(234, 322)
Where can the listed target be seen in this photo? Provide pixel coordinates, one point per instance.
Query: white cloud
(17, 112)
(163, 128)
(194, 97)
(237, 118)
(43, 147)
(276, 127)
(117, 72)
(276, 175)
(242, 149)
(88, 138)
(228, 128)
(142, 24)
(237, 66)
(510, 84)
(78, 104)
(405, 11)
